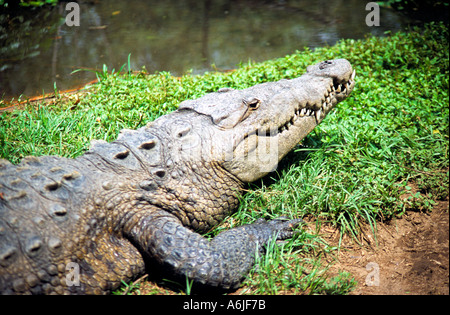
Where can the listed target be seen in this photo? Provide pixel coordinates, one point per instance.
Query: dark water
(38, 49)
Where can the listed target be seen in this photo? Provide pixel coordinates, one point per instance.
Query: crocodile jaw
(260, 150)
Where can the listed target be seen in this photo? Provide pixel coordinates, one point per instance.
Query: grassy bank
(355, 169)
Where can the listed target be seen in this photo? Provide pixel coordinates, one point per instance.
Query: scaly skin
(84, 225)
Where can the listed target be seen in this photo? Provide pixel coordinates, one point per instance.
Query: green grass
(353, 170)
(27, 3)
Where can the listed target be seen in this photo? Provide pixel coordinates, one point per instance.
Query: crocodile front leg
(220, 262)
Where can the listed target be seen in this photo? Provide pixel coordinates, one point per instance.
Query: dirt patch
(409, 255)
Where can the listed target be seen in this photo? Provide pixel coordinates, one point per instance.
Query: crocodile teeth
(318, 114)
(326, 104)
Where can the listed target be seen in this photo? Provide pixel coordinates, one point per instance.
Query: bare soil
(408, 256)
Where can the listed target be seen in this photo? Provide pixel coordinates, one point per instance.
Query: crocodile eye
(252, 103)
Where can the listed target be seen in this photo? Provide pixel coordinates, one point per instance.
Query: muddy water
(39, 52)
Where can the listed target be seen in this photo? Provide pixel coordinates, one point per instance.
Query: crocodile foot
(281, 228)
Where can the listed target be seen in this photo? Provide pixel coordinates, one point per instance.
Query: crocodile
(141, 203)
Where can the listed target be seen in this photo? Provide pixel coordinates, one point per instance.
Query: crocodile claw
(282, 227)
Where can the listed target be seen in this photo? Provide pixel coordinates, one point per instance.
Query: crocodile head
(253, 129)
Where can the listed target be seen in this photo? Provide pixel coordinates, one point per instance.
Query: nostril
(325, 64)
(160, 173)
(122, 155)
(182, 131)
(148, 145)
